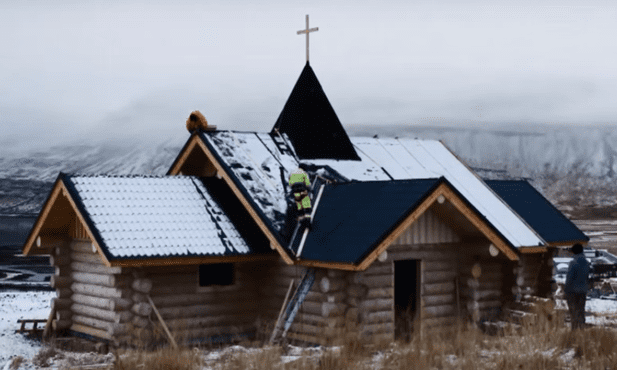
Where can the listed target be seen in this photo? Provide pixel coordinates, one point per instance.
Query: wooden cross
(307, 31)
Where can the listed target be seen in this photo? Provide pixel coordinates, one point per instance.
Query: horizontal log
(484, 285)
(352, 314)
(318, 320)
(380, 293)
(377, 317)
(372, 281)
(95, 268)
(447, 265)
(200, 310)
(60, 303)
(85, 257)
(481, 295)
(333, 297)
(357, 290)
(97, 333)
(438, 299)
(328, 284)
(482, 305)
(60, 281)
(64, 270)
(310, 339)
(438, 288)
(336, 274)
(353, 301)
(385, 327)
(63, 315)
(98, 313)
(439, 311)
(192, 278)
(59, 260)
(140, 322)
(83, 247)
(430, 277)
(99, 291)
(378, 304)
(63, 292)
(111, 328)
(100, 279)
(142, 285)
(397, 255)
(62, 250)
(485, 276)
(60, 324)
(111, 304)
(207, 321)
(142, 309)
(212, 331)
(304, 328)
(379, 269)
(439, 321)
(333, 309)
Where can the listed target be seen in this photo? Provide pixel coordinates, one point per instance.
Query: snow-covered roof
(256, 162)
(154, 216)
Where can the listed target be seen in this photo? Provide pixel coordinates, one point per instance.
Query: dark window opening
(216, 274)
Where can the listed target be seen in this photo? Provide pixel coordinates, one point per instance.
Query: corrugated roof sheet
(353, 218)
(257, 170)
(155, 216)
(537, 211)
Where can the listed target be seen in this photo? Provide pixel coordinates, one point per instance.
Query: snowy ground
(36, 305)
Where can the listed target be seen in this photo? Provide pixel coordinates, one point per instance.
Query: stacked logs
(440, 306)
(482, 288)
(100, 301)
(533, 275)
(61, 281)
(190, 312)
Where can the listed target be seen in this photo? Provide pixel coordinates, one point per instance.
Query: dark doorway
(406, 297)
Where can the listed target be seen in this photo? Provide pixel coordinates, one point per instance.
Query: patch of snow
(15, 306)
(604, 306)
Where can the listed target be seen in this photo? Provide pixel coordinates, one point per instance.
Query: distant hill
(570, 165)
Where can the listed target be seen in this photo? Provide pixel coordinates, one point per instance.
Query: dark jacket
(577, 279)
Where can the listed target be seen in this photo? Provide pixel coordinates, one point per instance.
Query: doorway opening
(406, 297)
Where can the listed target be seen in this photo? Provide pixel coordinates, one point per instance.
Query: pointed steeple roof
(311, 123)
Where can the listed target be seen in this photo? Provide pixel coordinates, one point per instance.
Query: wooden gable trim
(528, 250)
(182, 157)
(195, 141)
(60, 189)
(444, 190)
(178, 261)
(329, 265)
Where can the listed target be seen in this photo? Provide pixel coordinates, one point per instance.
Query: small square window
(216, 274)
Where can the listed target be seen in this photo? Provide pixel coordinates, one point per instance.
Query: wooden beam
(197, 142)
(169, 336)
(42, 217)
(527, 250)
(401, 228)
(568, 243)
(479, 223)
(178, 261)
(328, 265)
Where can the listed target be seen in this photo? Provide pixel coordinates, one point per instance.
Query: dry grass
(541, 341)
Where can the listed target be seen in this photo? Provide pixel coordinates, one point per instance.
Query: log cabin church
(405, 237)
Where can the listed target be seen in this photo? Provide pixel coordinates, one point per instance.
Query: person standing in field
(577, 285)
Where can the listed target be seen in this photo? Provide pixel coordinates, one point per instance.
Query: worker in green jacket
(300, 185)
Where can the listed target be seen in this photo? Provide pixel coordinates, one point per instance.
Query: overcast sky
(75, 70)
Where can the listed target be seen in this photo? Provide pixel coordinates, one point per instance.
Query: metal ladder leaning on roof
(291, 306)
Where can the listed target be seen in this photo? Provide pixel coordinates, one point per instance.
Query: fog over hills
(570, 164)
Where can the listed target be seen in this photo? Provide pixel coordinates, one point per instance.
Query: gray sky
(109, 69)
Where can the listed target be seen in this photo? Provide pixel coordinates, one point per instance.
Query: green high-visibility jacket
(301, 177)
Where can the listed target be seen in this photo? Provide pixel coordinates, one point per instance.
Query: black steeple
(311, 123)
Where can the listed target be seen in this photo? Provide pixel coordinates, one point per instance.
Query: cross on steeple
(307, 31)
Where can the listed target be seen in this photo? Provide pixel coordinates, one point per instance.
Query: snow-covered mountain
(569, 164)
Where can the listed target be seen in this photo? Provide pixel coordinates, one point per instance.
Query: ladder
(281, 144)
(291, 306)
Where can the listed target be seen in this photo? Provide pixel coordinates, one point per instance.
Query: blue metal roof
(353, 218)
(537, 211)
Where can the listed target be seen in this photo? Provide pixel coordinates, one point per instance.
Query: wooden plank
(36, 229)
(178, 261)
(279, 322)
(97, 333)
(480, 224)
(95, 268)
(169, 336)
(400, 229)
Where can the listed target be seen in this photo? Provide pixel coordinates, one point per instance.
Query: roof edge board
(443, 188)
(181, 260)
(182, 155)
(229, 178)
(494, 193)
(60, 188)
